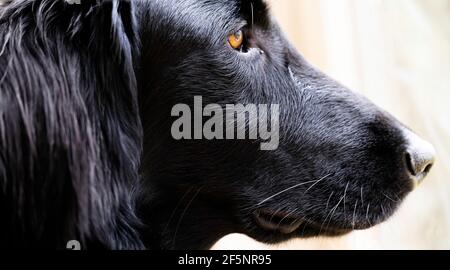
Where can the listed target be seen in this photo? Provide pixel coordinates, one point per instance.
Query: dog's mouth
(277, 221)
(289, 223)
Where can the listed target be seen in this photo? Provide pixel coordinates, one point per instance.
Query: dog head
(334, 163)
(341, 163)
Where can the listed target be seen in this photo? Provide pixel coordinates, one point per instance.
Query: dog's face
(341, 164)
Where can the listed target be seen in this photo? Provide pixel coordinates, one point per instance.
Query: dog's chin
(275, 226)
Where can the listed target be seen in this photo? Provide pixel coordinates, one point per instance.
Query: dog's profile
(86, 152)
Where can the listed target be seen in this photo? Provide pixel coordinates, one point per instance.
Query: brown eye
(236, 39)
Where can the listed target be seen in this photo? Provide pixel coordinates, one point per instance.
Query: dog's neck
(183, 222)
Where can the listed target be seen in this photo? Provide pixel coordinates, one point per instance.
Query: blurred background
(397, 53)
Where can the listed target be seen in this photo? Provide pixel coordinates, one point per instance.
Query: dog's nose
(419, 156)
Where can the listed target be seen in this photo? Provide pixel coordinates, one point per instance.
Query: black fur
(85, 88)
(70, 130)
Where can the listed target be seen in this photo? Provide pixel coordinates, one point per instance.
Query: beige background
(396, 52)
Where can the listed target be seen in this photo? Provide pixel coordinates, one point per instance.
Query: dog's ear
(71, 144)
(102, 25)
(99, 26)
(106, 31)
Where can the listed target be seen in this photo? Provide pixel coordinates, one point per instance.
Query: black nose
(420, 157)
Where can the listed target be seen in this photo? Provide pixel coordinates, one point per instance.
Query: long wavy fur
(70, 134)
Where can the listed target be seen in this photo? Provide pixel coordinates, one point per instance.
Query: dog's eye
(236, 40)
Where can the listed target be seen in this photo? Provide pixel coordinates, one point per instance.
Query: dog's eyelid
(241, 25)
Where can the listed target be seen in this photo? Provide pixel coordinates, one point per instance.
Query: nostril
(419, 156)
(409, 164)
(428, 168)
(419, 161)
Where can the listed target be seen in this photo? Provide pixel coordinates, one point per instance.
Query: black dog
(86, 150)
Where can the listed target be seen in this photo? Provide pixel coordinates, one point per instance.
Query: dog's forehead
(202, 16)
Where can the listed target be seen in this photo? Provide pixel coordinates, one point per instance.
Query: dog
(87, 154)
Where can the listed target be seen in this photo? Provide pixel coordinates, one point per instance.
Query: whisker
(305, 219)
(345, 193)
(328, 202)
(354, 215)
(182, 215)
(275, 213)
(362, 200)
(176, 208)
(389, 198)
(286, 216)
(330, 215)
(283, 191)
(336, 207)
(304, 226)
(326, 209)
(318, 181)
(367, 214)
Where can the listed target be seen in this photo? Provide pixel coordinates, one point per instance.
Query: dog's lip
(289, 223)
(279, 221)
